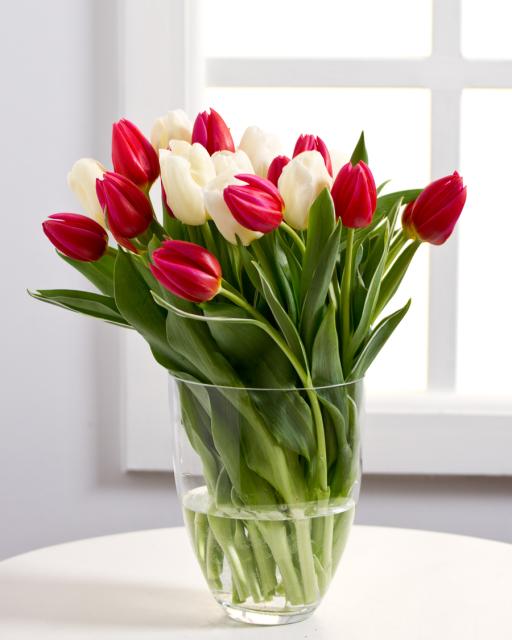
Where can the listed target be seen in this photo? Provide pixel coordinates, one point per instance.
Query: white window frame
(436, 432)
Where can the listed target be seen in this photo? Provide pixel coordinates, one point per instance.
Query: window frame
(403, 431)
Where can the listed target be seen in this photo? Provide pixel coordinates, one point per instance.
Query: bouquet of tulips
(261, 272)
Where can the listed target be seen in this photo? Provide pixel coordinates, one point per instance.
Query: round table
(391, 584)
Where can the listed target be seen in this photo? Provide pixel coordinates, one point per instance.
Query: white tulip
(185, 170)
(220, 213)
(175, 125)
(82, 182)
(231, 162)
(261, 147)
(301, 181)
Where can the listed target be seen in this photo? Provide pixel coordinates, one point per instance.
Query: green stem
(306, 560)
(294, 236)
(345, 301)
(264, 560)
(275, 535)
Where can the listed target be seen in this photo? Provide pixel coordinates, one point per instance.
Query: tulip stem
(346, 282)
(294, 236)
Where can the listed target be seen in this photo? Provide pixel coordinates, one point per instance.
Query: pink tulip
(355, 195)
(434, 213)
(187, 270)
(276, 167)
(256, 205)
(133, 155)
(76, 236)
(212, 132)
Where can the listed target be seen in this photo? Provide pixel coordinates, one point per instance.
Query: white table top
(391, 584)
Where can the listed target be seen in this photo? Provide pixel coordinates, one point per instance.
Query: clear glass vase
(268, 480)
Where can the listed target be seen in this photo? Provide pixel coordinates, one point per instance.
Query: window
(421, 86)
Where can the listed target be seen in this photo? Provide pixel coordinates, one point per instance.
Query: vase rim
(209, 385)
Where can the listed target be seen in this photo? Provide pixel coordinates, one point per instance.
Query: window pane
(485, 302)
(325, 28)
(486, 29)
(397, 129)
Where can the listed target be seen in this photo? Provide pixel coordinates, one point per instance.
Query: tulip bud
(175, 125)
(185, 170)
(261, 147)
(232, 162)
(355, 195)
(129, 211)
(220, 213)
(212, 132)
(276, 168)
(187, 270)
(82, 182)
(301, 181)
(434, 213)
(313, 143)
(256, 205)
(132, 154)
(76, 236)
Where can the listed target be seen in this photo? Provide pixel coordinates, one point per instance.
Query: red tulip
(434, 213)
(128, 210)
(276, 167)
(133, 155)
(313, 143)
(76, 236)
(355, 195)
(212, 132)
(256, 205)
(187, 270)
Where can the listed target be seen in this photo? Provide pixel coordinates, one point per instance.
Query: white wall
(60, 431)
(60, 448)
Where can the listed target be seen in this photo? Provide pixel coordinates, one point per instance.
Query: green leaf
(85, 302)
(134, 301)
(393, 277)
(321, 223)
(371, 297)
(197, 426)
(288, 329)
(385, 203)
(100, 273)
(377, 340)
(325, 361)
(314, 302)
(242, 344)
(359, 152)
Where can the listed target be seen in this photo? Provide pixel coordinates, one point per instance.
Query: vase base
(270, 617)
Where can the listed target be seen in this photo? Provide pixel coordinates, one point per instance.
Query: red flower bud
(212, 132)
(256, 205)
(132, 154)
(434, 213)
(187, 270)
(355, 195)
(313, 143)
(128, 210)
(276, 167)
(76, 236)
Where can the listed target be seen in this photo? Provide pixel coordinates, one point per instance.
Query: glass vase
(268, 480)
